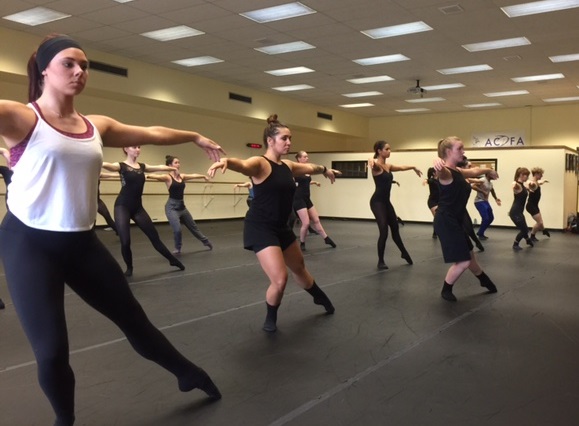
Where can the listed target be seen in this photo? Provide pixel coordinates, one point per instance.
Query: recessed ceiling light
(365, 80)
(200, 60)
(413, 110)
(397, 30)
(293, 88)
(565, 58)
(173, 33)
(462, 70)
(382, 59)
(362, 94)
(277, 13)
(420, 100)
(538, 78)
(285, 48)
(361, 105)
(443, 86)
(36, 16)
(569, 99)
(539, 7)
(508, 93)
(290, 71)
(489, 104)
(497, 44)
(123, 1)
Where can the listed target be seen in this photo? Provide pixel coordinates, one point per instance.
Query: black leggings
(37, 265)
(386, 217)
(104, 212)
(123, 218)
(521, 224)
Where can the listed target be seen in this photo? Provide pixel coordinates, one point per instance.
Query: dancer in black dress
(516, 213)
(532, 206)
(380, 202)
(450, 215)
(129, 205)
(266, 229)
(304, 207)
(45, 243)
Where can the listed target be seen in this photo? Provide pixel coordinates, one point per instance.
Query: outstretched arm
(159, 168)
(193, 176)
(301, 169)
(394, 168)
(158, 177)
(253, 166)
(111, 167)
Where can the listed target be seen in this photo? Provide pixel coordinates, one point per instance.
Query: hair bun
(272, 119)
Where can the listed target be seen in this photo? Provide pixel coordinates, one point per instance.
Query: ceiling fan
(417, 90)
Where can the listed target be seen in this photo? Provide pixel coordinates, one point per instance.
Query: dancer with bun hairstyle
(449, 218)
(380, 204)
(175, 209)
(517, 211)
(47, 238)
(266, 230)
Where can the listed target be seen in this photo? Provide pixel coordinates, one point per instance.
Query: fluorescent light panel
(36, 16)
(413, 110)
(497, 44)
(382, 59)
(277, 13)
(397, 30)
(569, 99)
(361, 105)
(443, 86)
(539, 7)
(362, 94)
(173, 33)
(565, 58)
(198, 61)
(290, 71)
(488, 104)
(538, 78)
(123, 1)
(285, 48)
(463, 70)
(375, 79)
(508, 93)
(420, 100)
(293, 88)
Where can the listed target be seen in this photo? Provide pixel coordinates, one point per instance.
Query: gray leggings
(178, 214)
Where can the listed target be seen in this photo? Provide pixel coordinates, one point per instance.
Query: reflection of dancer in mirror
(449, 218)
(249, 187)
(516, 213)
(266, 230)
(433, 193)
(175, 209)
(6, 173)
(304, 207)
(48, 239)
(532, 207)
(380, 202)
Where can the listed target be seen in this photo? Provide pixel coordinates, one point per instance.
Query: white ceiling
(112, 27)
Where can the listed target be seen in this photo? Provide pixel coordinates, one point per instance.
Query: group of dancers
(56, 162)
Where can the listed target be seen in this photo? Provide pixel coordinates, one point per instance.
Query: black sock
(320, 298)
(446, 292)
(329, 241)
(271, 318)
(486, 282)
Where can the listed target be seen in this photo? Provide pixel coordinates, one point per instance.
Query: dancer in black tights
(380, 202)
(517, 212)
(45, 243)
(129, 205)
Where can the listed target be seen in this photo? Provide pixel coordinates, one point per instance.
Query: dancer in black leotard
(433, 194)
(449, 217)
(6, 173)
(532, 206)
(128, 205)
(175, 209)
(266, 229)
(516, 213)
(380, 201)
(304, 207)
(48, 240)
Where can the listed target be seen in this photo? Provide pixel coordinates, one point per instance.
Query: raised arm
(158, 177)
(301, 169)
(474, 172)
(16, 121)
(117, 134)
(253, 166)
(242, 185)
(159, 168)
(395, 168)
(194, 176)
(111, 167)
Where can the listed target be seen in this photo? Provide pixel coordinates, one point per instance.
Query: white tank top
(55, 181)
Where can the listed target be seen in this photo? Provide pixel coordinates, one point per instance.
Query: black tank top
(273, 198)
(534, 197)
(454, 196)
(177, 189)
(383, 183)
(519, 201)
(132, 185)
(303, 187)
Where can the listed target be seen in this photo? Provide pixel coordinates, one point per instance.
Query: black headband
(50, 48)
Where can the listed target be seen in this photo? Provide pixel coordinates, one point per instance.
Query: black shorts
(257, 236)
(302, 203)
(454, 241)
(532, 209)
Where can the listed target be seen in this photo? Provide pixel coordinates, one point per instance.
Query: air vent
(240, 98)
(110, 69)
(451, 10)
(325, 116)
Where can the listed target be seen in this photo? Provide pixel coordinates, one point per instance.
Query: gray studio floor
(394, 353)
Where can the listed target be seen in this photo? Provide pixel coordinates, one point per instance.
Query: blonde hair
(445, 144)
(537, 171)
